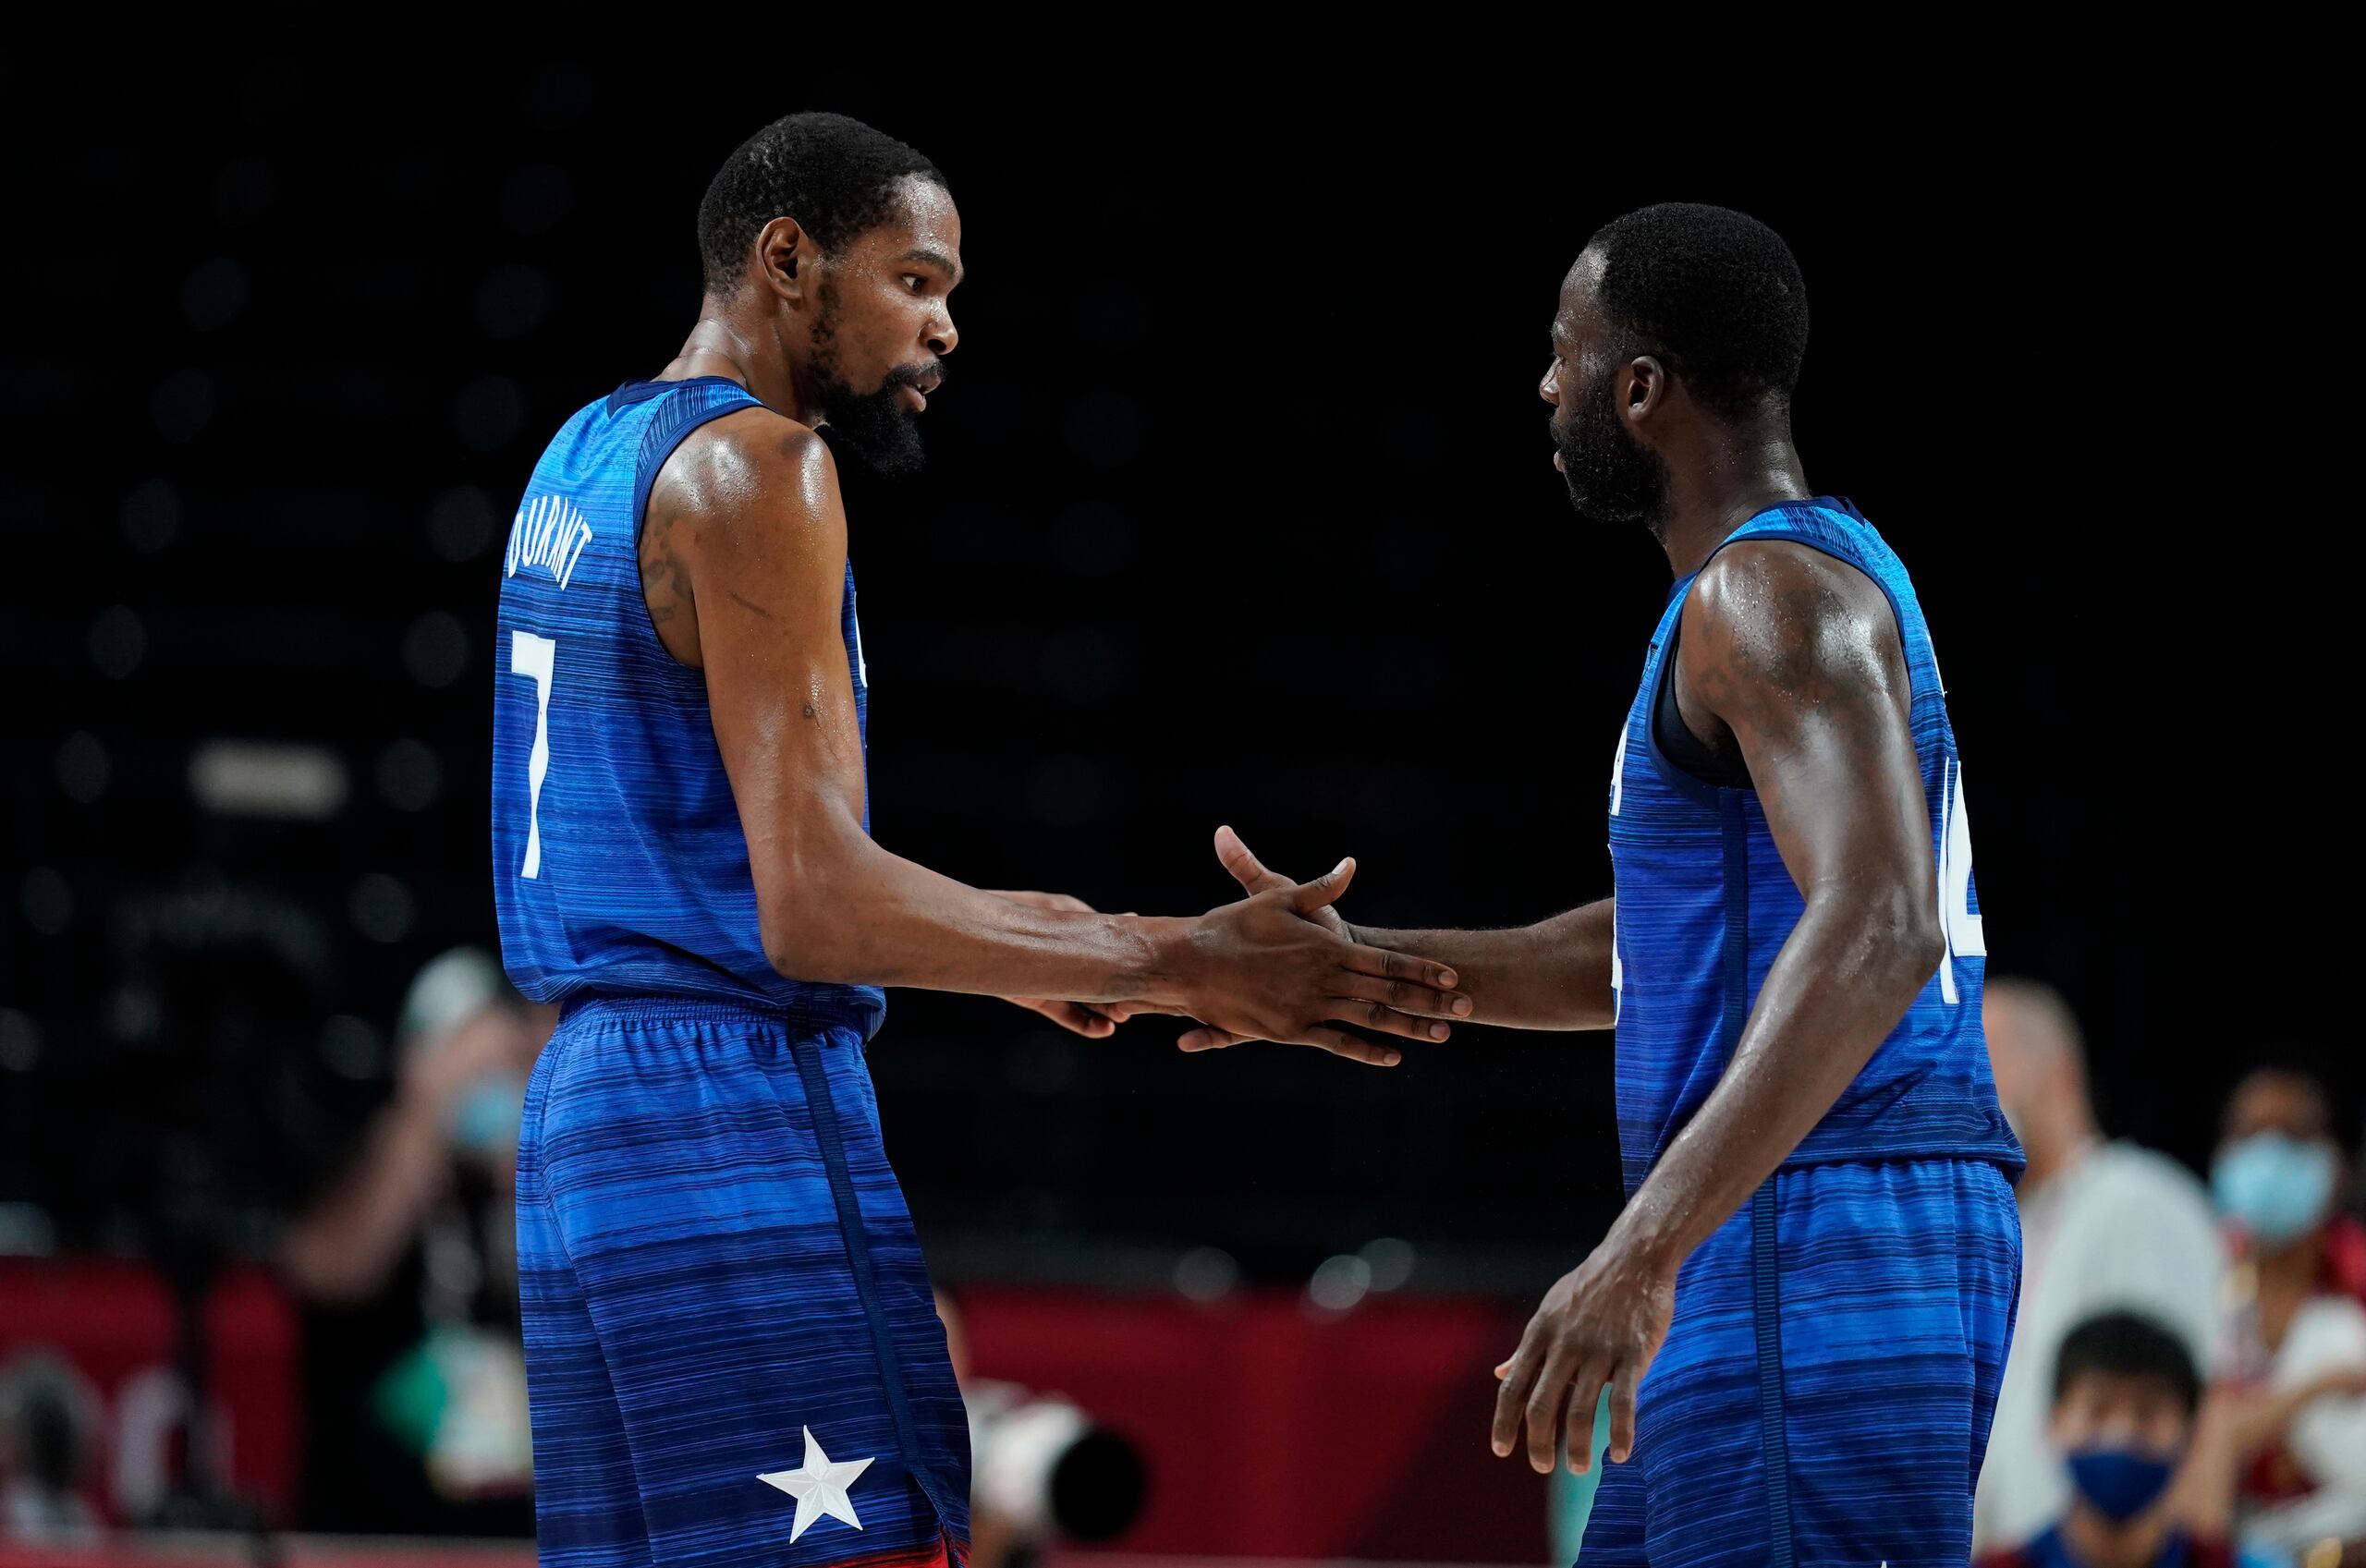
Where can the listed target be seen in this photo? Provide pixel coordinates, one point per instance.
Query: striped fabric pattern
(714, 1259)
(619, 863)
(1825, 1392)
(1705, 905)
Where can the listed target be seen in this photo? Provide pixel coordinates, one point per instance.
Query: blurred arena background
(1240, 510)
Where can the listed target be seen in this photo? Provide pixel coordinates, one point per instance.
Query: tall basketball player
(1803, 1311)
(732, 1353)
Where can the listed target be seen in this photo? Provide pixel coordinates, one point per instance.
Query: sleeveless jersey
(619, 865)
(1704, 904)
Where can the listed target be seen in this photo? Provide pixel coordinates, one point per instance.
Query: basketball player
(732, 1353)
(1819, 1257)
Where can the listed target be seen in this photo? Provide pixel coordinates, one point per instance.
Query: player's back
(1705, 905)
(619, 862)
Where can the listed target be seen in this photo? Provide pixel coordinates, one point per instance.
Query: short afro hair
(835, 175)
(1714, 292)
(2127, 1344)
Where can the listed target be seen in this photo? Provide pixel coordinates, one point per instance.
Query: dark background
(1241, 509)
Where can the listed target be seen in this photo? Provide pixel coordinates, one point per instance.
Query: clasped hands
(1280, 965)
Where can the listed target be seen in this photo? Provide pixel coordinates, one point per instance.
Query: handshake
(1279, 964)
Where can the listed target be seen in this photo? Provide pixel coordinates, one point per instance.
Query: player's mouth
(1556, 461)
(913, 395)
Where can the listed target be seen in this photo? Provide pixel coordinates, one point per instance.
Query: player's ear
(784, 254)
(1644, 387)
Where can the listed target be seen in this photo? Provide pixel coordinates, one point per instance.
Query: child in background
(2127, 1399)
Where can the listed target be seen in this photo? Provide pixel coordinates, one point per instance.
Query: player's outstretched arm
(1799, 658)
(1552, 974)
(746, 535)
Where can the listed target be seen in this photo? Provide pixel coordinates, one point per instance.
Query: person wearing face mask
(2104, 1225)
(406, 1264)
(2296, 1331)
(2123, 1422)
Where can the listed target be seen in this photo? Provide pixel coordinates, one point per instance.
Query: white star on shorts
(819, 1486)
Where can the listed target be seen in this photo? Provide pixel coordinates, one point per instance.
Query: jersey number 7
(538, 657)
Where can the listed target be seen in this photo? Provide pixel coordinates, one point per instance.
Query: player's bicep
(767, 563)
(1800, 656)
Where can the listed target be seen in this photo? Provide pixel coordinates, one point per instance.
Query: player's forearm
(851, 913)
(1842, 981)
(1552, 974)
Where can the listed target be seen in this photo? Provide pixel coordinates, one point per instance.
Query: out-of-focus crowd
(2187, 1384)
(2188, 1378)
(403, 1263)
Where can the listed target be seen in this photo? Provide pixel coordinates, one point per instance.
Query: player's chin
(893, 455)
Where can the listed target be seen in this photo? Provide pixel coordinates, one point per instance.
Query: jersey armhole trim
(1675, 774)
(653, 462)
(1827, 547)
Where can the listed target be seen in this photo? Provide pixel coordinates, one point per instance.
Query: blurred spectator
(1569, 1499)
(1044, 1472)
(2295, 1352)
(2126, 1396)
(49, 1419)
(414, 1373)
(2103, 1226)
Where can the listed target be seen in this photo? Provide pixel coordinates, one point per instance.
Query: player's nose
(1549, 388)
(943, 336)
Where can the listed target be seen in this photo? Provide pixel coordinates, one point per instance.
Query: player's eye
(916, 283)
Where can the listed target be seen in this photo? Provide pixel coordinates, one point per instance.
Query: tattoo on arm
(665, 577)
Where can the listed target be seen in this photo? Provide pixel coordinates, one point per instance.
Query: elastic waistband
(799, 1022)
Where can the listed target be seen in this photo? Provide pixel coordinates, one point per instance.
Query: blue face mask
(486, 1119)
(2274, 1186)
(2120, 1482)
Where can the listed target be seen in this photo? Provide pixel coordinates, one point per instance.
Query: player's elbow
(799, 950)
(810, 921)
(1909, 937)
(804, 942)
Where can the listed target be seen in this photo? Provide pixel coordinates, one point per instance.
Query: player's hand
(1402, 1015)
(1601, 1323)
(1093, 1020)
(1266, 968)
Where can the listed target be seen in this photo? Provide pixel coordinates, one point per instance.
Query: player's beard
(874, 426)
(1613, 478)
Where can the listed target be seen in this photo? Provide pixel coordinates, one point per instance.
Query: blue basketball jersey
(619, 865)
(1704, 904)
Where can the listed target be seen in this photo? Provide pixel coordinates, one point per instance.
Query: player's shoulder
(753, 456)
(1784, 604)
(1784, 576)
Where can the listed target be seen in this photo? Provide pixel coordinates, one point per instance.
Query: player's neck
(745, 351)
(1720, 475)
(2096, 1542)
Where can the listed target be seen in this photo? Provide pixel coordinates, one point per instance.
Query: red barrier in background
(1270, 1430)
(113, 1319)
(286, 1552)
(1274, 1432)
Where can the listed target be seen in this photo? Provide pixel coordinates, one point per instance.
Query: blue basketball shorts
(1826, 1390)
(732, 1351)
